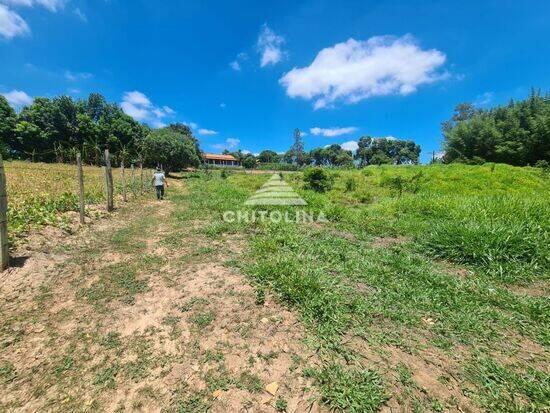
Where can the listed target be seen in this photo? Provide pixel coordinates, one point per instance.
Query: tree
(517, 134)
(377, 151)
(249, 161)
(268, 156)
(8, 120)
(296, 153)
(55, 129)
(170, 149)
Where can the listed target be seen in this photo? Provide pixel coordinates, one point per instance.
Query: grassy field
(417, 261)
(39, 193)
(426, 290)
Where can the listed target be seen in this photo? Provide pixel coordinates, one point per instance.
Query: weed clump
(317, 179)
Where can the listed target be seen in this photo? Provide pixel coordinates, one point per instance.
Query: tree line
(54, 130)
(517, 133)
(371, 151)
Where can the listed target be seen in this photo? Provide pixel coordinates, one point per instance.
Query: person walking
(158, 181)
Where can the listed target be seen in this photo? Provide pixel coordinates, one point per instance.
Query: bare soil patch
(143, 324)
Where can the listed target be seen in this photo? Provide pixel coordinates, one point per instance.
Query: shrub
(317, 179)
(224, 174)
(350, 184)
(401, 184)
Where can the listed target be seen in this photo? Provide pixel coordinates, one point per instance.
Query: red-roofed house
(220, 160)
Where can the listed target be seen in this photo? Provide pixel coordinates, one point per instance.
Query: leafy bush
(402, 184)
(317, 179)
(350, 184)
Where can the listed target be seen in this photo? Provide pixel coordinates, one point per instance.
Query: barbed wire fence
(134, 186)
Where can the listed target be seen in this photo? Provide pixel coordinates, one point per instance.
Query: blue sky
(244, 74)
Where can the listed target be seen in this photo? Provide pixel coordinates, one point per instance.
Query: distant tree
(56, 129)
(517, 134)
(8, 120)
(332, 155)
(171, 149)
(296, 153)
(377, 151)
(268, 156)
(249, 161)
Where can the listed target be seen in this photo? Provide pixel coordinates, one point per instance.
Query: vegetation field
(425, 289)
(428, 288)
(39, 193)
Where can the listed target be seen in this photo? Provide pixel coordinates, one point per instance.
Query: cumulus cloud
(355, 70)
(203, 131)
(17, 98)
(484, 99)
(137, 105)
(350, 146)
(230, 143)
(52, 5)
(235, 65)
(330, 132)
(169, 110)
(76, 76)
(80, 14)
(12, 24)
(269, 45)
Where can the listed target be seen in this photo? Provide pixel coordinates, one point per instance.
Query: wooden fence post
(133, 178)
(80, 177)
(123, 181)
(109, 182)
(4, 246)
(141, 176)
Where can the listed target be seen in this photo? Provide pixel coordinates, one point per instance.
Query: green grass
(508, 389)
(118, 281)
(352, 390)
(493, 220)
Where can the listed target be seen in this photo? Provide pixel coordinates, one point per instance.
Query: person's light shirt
(159, 178)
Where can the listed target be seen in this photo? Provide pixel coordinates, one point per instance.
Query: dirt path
(140, 313)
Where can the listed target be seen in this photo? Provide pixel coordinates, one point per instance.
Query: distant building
(220, 160)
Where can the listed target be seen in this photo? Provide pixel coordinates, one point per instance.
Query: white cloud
(76, 76)
(169, 110)
(230, 143)
(483, 99)
(52, 5)
(136, 98)
(137, 105)
(350, 146)
(18, 98)
(245, 152)
(269, 46)
(235, 65)
(207, 132)
(81, 15)
(11, 23)
(330, 132)
(356, 70)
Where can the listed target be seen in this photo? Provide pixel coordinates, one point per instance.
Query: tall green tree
(8, 120)
(517, 133)
(171, 149)
(296, 154)
(377, 151)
